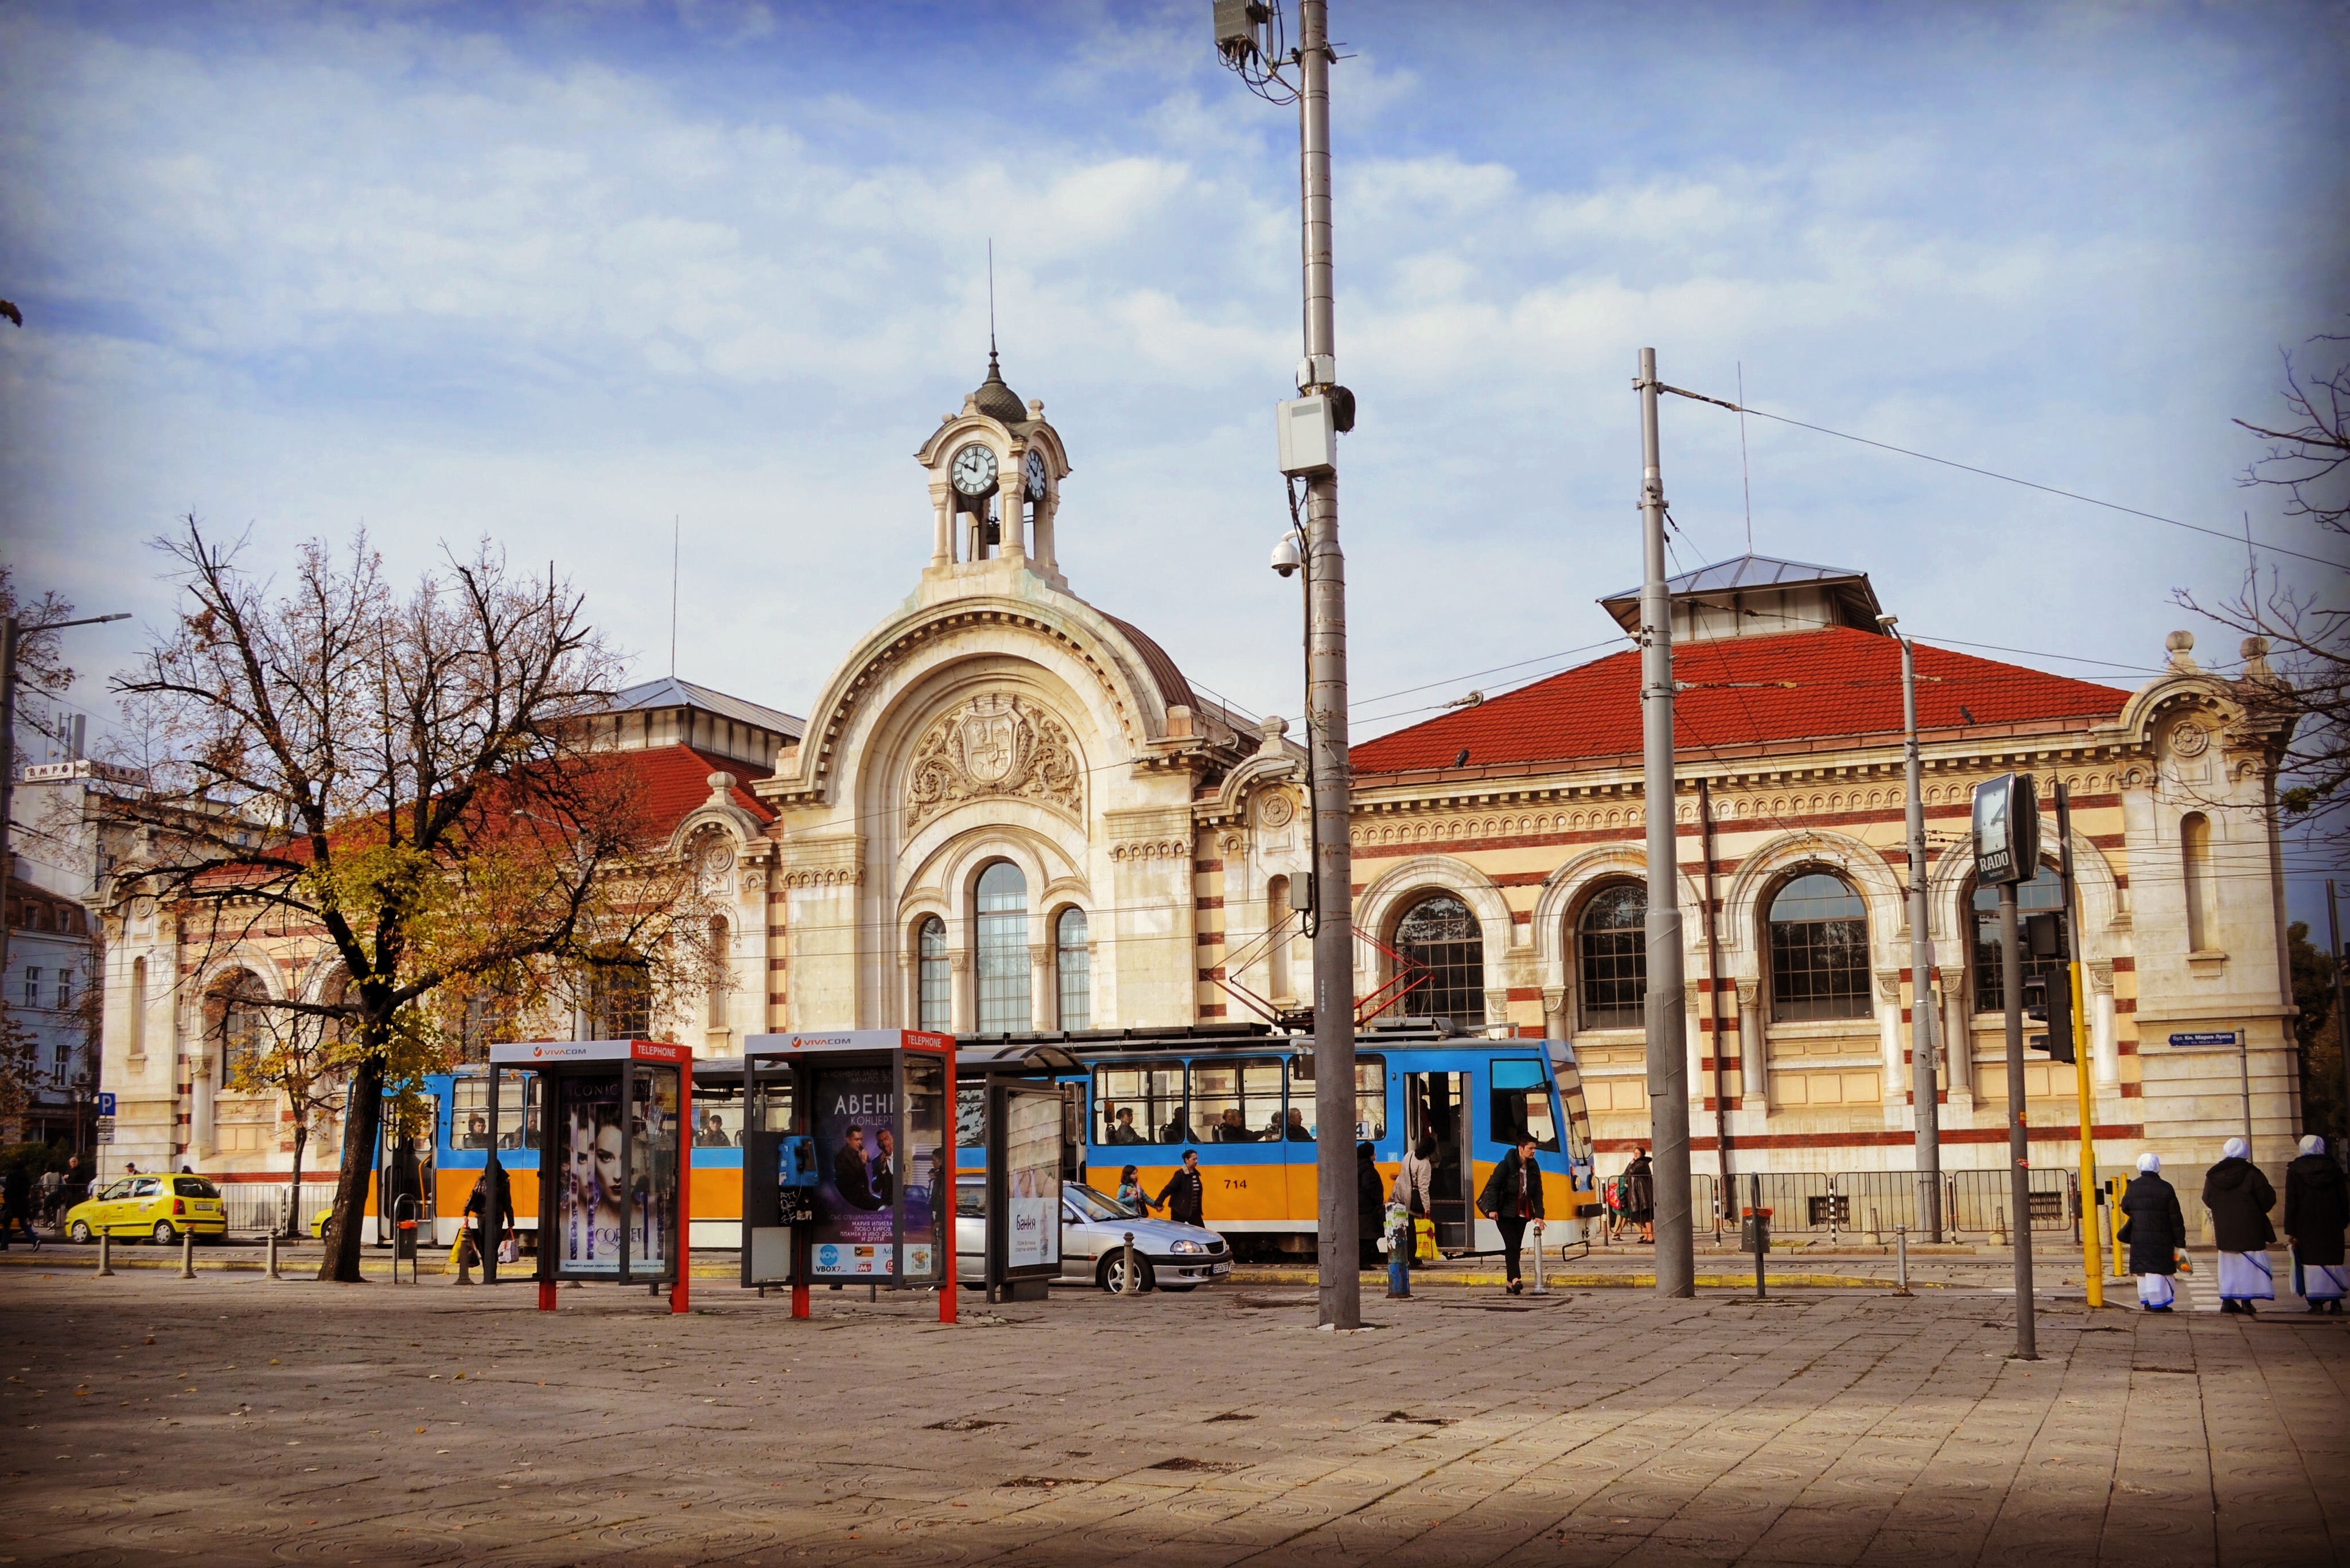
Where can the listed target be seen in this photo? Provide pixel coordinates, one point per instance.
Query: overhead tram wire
(2232, 537)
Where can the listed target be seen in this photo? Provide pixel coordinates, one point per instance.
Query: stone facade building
(1503, 845)
(1009, 811)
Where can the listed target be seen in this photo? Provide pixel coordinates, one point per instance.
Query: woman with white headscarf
(2239, 1198)
(2154, 1229)
(2317, 1210)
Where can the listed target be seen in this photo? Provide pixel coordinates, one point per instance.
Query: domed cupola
(995, 470)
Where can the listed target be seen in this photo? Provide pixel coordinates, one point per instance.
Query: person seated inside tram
(1298, 1131)
(1177, 1129)
(1122, 1127)
(477, 1132)
(712, 1134)
(1230, 1129)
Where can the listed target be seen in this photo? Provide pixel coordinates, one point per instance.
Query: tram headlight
(1187, 1247)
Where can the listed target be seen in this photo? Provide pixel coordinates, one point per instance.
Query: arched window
(1611, 958)
(1440, 936)
(2195, 853)
(1278, 924)
(620, 998)
(1002, 944)
(237, 1023)
(2046, 891)
(1072, 964)
(933, 981)
(713, 1001)
(1819, 950)
(139, 1007)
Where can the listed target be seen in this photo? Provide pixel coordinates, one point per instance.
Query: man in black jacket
(2239, 1198)
(1185, 1195)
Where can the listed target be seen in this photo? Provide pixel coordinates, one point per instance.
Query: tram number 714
(1235, 1181)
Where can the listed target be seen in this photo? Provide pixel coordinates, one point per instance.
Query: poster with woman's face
(593, 1207)
(855, 1235)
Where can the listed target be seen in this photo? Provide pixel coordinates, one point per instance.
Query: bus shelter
(858, 1188)
(1010, 1107)
(614, 1183)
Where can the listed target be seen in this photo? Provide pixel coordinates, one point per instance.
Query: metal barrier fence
(260, 1206)
(1984, 1200)
(1876, 1202)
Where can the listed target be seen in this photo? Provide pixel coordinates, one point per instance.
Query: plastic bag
(510, 1251)
(1423, 1230)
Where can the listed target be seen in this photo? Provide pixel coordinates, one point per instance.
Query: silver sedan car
(1172, 1257)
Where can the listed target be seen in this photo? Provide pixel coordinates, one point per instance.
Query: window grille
(1819, 950)
(1611, 953)
(1440, 936)
(934, 982)
(1073, 964)
(1003, 995)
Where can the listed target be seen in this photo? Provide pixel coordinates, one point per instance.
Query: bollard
(272, 1255)
(105, 1254)
(1540, 1289)
(187, 1254)
(1132, 1284)
(1901, 1261)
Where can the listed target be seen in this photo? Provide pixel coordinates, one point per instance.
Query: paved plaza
(231, 1418)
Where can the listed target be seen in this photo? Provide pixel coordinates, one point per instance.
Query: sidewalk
(234, 1420)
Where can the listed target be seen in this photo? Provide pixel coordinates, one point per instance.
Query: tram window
(1370, 1094)
(1521, 1104)
(469, 1117)
(1140, 1105)
(717, 1117)
(1237, 1101)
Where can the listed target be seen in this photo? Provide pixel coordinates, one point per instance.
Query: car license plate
(1224, 1268)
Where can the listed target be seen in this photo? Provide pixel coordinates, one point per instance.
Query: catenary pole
(1668, 1132)
(2340, 1023)
(2092, 1276)
(2019, 1149)
(1340, 1276)
(1925, 1075)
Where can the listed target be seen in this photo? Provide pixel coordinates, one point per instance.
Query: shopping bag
(509, 1251)
(1423, 1232)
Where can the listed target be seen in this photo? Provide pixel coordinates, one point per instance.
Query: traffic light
(2048, 999)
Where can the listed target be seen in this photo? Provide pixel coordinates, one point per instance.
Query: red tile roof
(1740, 693)
(677, 781)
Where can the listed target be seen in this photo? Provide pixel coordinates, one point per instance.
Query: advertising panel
(926, 1180)
(1032, 1178)
(597, 1195)
(856, 1124)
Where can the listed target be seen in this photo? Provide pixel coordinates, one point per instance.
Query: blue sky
(557, 274)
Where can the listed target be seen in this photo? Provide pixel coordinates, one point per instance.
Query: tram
(1242, 1095)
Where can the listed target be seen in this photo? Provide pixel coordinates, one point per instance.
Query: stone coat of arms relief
(994, 745)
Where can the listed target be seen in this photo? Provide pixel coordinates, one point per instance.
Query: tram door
(1438, 1103)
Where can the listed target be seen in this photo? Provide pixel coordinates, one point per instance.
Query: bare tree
(408, 773)
(2295, 620)
(303, 1060)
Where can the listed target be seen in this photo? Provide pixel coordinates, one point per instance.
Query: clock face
(973, 472)
(1035, 472)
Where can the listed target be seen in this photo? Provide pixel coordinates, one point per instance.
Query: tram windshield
(1521, 1104)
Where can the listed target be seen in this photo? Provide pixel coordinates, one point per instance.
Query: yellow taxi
(163, 1207)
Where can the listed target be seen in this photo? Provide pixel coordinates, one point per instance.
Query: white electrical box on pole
(1667, 1023)
(1308, 427)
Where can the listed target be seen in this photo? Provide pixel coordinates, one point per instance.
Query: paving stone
(281, 1422)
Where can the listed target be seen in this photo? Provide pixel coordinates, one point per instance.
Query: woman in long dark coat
(2316, 1211)
(1370, 1205)
(2154, 1229)
(2239, 1198)
(1640, 1195)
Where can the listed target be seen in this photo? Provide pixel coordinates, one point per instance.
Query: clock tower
(995, 471)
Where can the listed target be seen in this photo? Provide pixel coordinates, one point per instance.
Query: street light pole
(1326, 705)
(1925, 1075)
(1668, 1130)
